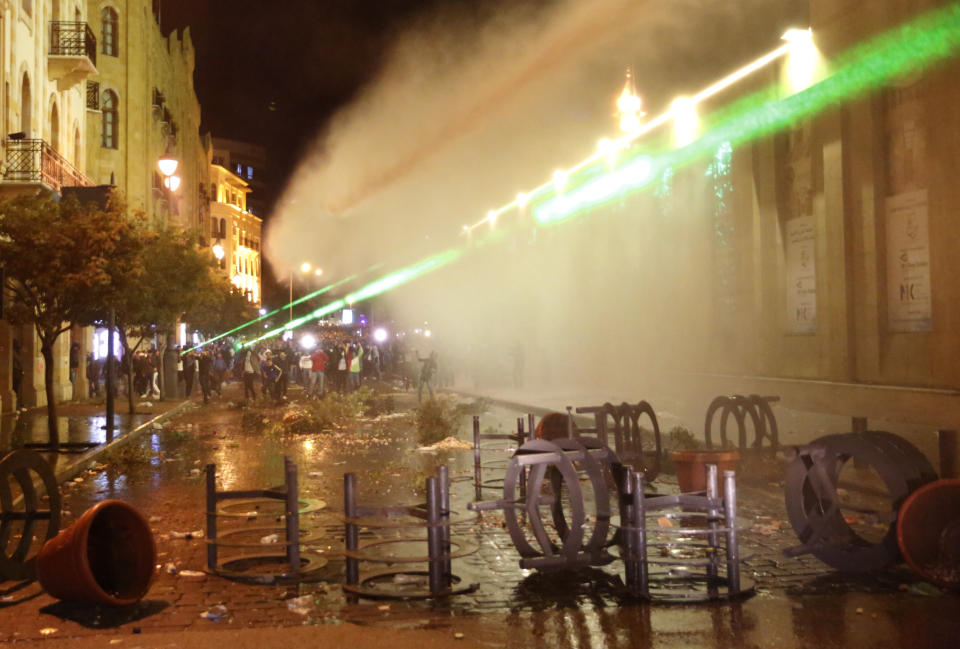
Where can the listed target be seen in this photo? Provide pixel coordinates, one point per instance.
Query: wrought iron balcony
(73, 53)
(35, 161)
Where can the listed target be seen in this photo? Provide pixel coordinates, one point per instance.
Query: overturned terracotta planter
(106, 557)
(691, 467)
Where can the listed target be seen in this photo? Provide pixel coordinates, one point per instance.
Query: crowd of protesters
(339, 362)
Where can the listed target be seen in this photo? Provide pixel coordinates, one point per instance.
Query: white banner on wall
(908, 263)
(801, 275)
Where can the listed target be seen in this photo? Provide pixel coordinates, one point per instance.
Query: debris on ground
(447, 444)
(198, 534)
(195, 574)
(270, 538)
(300, 605)
(215, 613)
(48, 631)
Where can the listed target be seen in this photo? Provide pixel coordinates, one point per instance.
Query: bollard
(640, 514)
(292, 514)
(351, 533)
(523, 472)
(713, 514)
(443, 477)
(730, 514)
(211, 471)
(434, 541)
(477, 478)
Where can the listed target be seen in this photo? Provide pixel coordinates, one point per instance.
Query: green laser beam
(913, 46)
(310, 296)
(382, 285)
(904, 50)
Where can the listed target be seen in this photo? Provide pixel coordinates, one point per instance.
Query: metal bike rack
(566, 460)
(813, 502)
(684, 568)
(299, 565)
(754, 406)
(627, 433)
(19, 465)
(518, 438)
(435, 515)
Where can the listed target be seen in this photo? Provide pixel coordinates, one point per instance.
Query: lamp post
(167, 164)
(305, 268)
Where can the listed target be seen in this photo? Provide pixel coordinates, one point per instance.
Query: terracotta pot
(928, 532)
(107, 557)
(553, 425)
(691, 467)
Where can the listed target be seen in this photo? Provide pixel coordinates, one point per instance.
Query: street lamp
(629, 106)
(305, 268)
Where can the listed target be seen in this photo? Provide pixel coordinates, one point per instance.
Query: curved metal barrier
(435, 516)
(815, 505)
(19, 466)
(754, 406)
(299, 565)
(623, 422)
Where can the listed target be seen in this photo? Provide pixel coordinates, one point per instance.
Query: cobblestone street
(810, 603)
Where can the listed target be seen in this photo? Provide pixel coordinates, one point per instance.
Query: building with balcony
(235, 232)
(48, 50)
(249, 162)
(141, 105)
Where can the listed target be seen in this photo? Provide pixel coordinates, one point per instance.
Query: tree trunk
(128, 361)
(46, 350)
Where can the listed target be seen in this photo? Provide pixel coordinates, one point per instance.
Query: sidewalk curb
(525, 407)
(78, 466)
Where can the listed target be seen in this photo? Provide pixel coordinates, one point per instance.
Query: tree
(225, 309)
(60, 260)
(176, 278)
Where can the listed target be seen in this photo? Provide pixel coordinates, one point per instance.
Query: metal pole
(640, 515)
(523, 469)
(569, 422)
(291, 296)
(351, 534)
(712, 515)
(293, 515)
(443, 477)
(628, 524)
(211, 470)
(111, 373)
(477, 478)
(730, 514)
(433, 537)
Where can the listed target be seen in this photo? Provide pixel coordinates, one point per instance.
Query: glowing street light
(218, 251)
(167, 164)
(305, 267)
(629, 106)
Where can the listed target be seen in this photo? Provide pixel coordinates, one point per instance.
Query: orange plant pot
(928, 532)
(106, 557)
(691, 467)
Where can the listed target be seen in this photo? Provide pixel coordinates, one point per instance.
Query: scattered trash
(154, 519)
(403, 578)
(316, 474)
(215, 613)
(383, 607)
(270, 538)
(448, 444)
(196, 574)
(146, 404)
(194, 472)
(157, 425)
(198, 534)
(458, 636)
(48, 631)
(859, 611)
(116, 641)
(300, 605)
(170, 568)
(663, 521)
(78, 479)
(924, 588)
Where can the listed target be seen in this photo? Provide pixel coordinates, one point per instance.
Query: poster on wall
(909, 305)
(801, 275)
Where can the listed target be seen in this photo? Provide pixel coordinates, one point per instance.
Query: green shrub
(441, 417)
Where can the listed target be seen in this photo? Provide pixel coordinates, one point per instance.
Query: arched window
(26, 102)
(111, 31)
(108, 139)
(55, 127)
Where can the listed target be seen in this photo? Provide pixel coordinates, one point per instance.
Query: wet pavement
(799, 602)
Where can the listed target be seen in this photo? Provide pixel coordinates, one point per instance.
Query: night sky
(274, 71)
